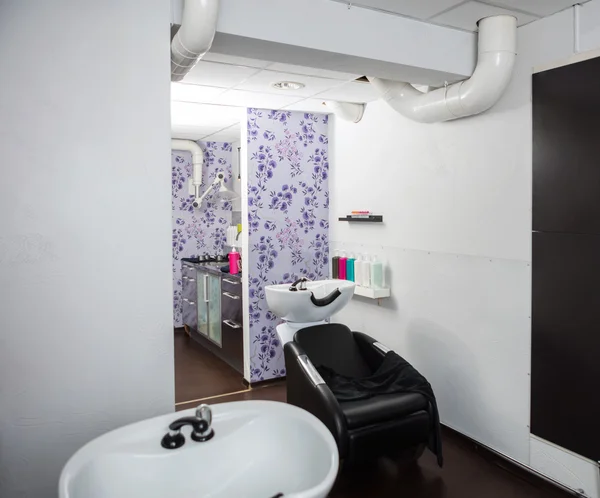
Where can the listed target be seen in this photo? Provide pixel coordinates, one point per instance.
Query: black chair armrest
(371, 350)
(306, 389)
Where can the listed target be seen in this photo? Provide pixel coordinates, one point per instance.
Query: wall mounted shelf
(372, 218)
(371, 293)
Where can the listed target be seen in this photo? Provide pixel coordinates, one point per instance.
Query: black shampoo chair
(394, 425)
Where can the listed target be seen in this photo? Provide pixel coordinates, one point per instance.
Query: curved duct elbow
(197, 160)
(497, 51)
(195, 36)
(347, 110)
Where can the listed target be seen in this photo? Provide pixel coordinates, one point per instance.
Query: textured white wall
(86, 340)
(456, 198)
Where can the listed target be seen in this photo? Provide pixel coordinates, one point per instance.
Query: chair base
(395, 439)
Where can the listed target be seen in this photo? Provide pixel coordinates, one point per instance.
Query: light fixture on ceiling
(288, 85)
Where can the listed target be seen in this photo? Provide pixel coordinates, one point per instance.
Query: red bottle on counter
(234, 262)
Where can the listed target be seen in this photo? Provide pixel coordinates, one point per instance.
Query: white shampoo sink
(298, 307)
(308, 305)
(259, 449)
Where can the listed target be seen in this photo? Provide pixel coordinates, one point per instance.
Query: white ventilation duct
(347, 110)
(197, 160)
(497, 52)
(195, 36)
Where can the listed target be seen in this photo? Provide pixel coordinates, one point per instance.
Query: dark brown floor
(199, 373)
(274, 392)
(467, 472)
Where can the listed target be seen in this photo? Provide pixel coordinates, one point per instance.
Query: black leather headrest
(332, 345)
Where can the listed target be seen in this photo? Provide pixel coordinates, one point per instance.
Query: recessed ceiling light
(288, 85)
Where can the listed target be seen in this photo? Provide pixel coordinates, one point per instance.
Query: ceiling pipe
(194, 37)
(497, 51)
(197, 161)
(346, 110)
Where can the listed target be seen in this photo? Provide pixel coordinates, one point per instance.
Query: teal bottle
(350, 268)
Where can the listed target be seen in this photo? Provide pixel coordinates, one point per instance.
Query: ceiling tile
(421, 9)
(311, 71)
(191, 132)
(308, 105)
(538, 7)
(181, 92)
(350, 92)
(465, 16)
(219, 75)
(243, 98)
(233, 59)
(231, 134)
(186, 114)
(262, 81)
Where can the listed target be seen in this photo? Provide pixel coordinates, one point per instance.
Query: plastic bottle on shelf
(335, 265)
(366, 272)
(376, 273)
(342, 266)
(350, 267)
(358, 270)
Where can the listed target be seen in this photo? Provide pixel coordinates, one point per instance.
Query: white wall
(244, 238)
(456, 200)
(237, 184)
(86, 340)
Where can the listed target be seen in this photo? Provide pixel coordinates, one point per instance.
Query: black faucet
(299, 284)
(201, 429)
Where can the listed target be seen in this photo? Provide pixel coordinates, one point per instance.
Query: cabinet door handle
(191, 279)
(232, 324)
(186, 300)
(232, 282)
(206, 300)
(230, 296)
(192, 302)
(184, 278)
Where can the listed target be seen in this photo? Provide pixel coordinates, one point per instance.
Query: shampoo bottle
(350, 268)
(366, 272)
(376, 273)
(358, 270)
(335, 265)
(234, 262)
(342, 266)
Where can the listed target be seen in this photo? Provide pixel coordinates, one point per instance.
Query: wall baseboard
(510, 465)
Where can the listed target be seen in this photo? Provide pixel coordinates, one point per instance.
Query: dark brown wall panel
(565, 366)
(565, 370)
(566, 149)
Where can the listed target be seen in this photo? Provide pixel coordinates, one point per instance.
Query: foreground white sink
(260, 449)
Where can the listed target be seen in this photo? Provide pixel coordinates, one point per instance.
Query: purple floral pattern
(288, 218)
(197, 231)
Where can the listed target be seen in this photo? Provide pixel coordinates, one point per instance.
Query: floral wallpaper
(288, 218)
(197, 231)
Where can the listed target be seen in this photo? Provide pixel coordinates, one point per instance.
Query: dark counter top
(214, 268)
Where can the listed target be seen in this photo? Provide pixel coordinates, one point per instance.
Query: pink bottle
(234, 262)
(342, 266)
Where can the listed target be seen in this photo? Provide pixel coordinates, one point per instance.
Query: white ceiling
(207, 104)
(216, 123)
(220, 81)
(464, 14)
